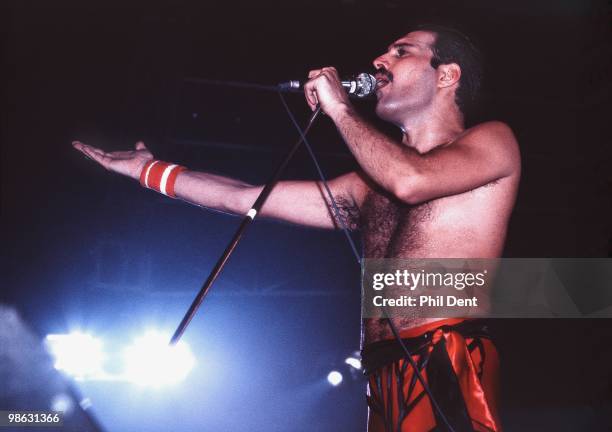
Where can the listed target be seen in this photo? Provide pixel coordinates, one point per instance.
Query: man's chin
(382, 110)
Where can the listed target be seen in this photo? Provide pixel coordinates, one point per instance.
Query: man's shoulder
(493, 132)
(495, 142)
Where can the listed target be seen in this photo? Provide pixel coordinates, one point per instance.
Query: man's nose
(381, 62)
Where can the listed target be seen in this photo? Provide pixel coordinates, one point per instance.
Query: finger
(120, 155)
(89, 153)
(311, 95)
(96, 154)
(311, 100)
(314, 73)
(77, 145)
(311, 105)
(330, 73)
(140, 146)
(81, 147)
(85, 154)
(99, 155)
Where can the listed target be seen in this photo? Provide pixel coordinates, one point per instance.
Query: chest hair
(390, 228)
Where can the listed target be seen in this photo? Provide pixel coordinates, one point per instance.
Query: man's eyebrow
(398, 45)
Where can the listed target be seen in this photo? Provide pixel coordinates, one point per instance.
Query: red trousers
(460, 367)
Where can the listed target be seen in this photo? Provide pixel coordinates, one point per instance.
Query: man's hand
(325, 88)
(129, 163)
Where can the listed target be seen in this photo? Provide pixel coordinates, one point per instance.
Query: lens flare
(151, 361)
(353, 362)
(78, 354)
(334, 378)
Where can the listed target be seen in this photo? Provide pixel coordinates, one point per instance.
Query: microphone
(361, 86)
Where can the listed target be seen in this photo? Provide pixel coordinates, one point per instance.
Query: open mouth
(381, 82)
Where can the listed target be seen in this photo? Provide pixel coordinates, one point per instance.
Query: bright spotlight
(62, 402)
(353, 362)
(151, 361)
(334, 378)
(77, 354)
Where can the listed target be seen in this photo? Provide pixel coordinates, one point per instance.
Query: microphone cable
(408, 355)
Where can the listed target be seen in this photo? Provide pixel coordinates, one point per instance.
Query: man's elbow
(409, 191)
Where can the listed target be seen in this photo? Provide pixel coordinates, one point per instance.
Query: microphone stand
(246, 221)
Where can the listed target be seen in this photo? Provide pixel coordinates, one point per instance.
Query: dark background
(87, 249)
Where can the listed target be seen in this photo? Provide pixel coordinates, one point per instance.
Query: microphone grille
(366, 85)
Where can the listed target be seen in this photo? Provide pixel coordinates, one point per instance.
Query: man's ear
(448, 74)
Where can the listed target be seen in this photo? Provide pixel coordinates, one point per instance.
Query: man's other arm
(485, 153)
(300, 202)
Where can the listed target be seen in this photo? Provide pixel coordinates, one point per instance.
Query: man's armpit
(347, 213)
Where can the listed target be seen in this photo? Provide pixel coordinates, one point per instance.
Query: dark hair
(452, 46)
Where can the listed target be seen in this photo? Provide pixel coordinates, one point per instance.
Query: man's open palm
(129, 163)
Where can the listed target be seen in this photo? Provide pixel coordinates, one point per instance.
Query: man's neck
(426, 130)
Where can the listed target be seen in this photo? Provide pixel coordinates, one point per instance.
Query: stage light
(353, 362)
(62, 402)
(77, 354)
(151, 361)
(334, 378)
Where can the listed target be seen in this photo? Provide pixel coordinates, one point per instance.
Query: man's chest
(385, 221)
(391, 228)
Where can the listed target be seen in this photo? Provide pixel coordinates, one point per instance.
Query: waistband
(379, 354)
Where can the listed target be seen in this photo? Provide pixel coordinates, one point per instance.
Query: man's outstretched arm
(299, 202)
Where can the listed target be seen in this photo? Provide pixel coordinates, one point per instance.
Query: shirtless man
(442, 192)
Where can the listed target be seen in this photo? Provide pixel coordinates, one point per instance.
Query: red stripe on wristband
(160, 176)
(172, 180)
(155, 175)
(144, 172)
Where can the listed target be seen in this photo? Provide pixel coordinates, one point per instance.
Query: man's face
(406, 80)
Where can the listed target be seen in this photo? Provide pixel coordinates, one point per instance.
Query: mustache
(385, 73)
